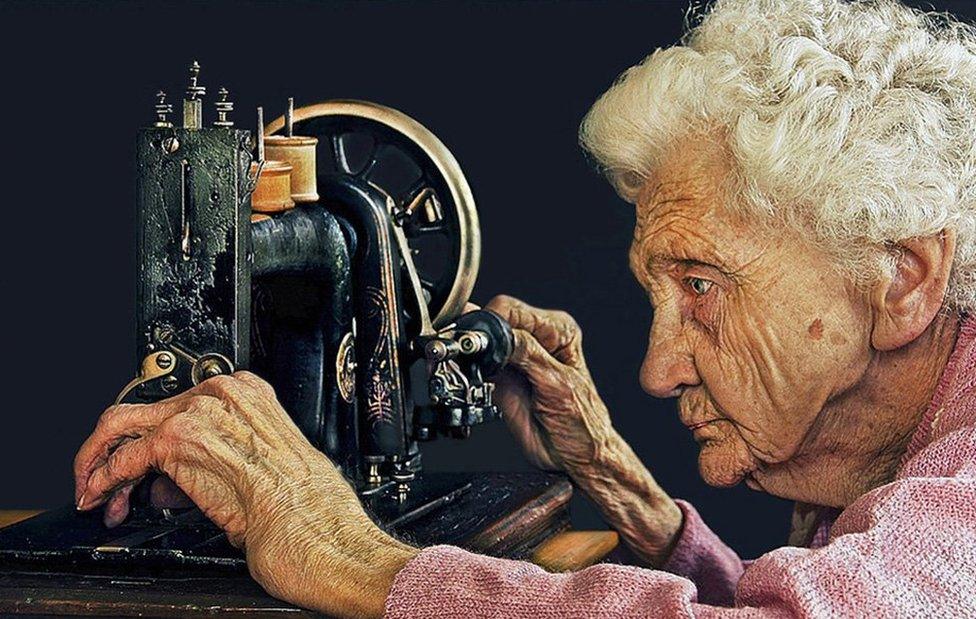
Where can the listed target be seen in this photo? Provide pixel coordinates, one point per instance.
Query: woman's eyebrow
(705, 259)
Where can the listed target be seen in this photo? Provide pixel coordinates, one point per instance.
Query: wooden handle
(10, 516)
(573, 550)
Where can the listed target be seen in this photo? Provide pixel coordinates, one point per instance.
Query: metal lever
(426, 327)
(161, 363)
(155, 365)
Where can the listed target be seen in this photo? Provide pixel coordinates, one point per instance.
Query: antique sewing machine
(332, 253)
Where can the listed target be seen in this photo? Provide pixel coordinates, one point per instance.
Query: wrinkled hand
(231, 448)
(553, 409)
(546, 393)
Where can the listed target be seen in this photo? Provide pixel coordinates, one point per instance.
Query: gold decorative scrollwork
(346, 368)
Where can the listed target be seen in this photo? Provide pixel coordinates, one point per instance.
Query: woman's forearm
(630, 500)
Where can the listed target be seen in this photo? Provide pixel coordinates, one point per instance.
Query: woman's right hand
(552, 407)
(546, 393)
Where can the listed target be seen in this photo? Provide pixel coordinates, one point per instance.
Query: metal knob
(194, 90)
(223, 107)
(163, 110)
(192, 104)
(473, 342)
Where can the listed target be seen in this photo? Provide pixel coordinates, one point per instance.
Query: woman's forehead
(691, 175)
(681, 207)
(683, 211)
(686, 230)
(689, 221)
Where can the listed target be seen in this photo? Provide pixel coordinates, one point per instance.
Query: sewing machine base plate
(153, 542)
(501, 514)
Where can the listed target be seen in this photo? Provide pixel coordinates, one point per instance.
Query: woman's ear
(906, 302)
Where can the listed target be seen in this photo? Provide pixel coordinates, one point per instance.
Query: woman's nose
(668, 367)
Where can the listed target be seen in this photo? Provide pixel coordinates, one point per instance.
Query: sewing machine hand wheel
(432, 199)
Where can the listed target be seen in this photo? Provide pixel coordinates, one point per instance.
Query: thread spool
(299, 151)
(272, 193)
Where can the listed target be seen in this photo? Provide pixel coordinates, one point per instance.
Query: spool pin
(272, 192)
(299, 151)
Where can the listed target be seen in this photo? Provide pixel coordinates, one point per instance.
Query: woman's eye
(698, 285)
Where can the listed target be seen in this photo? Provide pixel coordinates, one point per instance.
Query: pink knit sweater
(906, 549)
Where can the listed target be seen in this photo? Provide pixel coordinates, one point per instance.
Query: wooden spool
(299, 151)
(272, 193)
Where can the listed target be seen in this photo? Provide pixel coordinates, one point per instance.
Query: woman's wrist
(391, 560)
(365, 576)
(630, 500)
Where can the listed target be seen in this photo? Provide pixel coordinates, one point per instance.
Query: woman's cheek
(725, 361)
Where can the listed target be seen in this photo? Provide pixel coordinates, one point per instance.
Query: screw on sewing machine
(170, 384)
(165, 360)
(171, 144)
(163, 335)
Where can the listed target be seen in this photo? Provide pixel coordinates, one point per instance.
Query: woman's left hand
(228, 444)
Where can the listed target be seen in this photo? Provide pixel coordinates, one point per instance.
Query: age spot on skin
(816, 329)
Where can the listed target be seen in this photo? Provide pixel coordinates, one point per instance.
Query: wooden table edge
(566, 551)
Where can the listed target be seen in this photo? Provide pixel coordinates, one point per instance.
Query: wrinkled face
(754, 330)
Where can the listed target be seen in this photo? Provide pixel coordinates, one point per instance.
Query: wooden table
(123, 595)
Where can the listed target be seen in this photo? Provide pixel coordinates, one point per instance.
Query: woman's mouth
(700, 424)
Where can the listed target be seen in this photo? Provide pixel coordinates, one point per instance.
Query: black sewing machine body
(320, 300)
(365, 343)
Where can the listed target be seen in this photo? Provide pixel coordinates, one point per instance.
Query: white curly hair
(855, 121)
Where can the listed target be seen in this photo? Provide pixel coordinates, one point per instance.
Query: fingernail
(81, 503)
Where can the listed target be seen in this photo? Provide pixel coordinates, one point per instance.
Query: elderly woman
(804, 174)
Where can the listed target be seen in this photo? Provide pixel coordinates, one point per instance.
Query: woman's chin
(720, 464)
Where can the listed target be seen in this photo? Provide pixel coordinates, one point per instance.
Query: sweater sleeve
(704, 559)
(701, 567)
(904, 549)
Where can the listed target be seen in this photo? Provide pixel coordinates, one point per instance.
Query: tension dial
(430, 196)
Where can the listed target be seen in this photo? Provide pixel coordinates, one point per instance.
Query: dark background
(503, 84)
